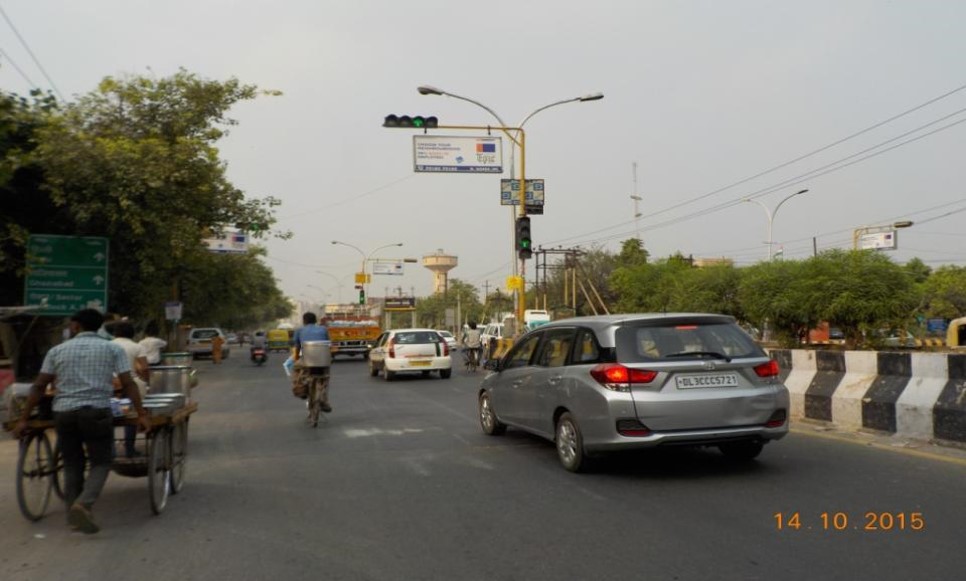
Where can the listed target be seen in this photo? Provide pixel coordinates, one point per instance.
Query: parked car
(597, 384)
(232, 338)
(410, 350)
(199, 342)
(450, 340)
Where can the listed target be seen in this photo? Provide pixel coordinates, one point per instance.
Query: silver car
(597, 384)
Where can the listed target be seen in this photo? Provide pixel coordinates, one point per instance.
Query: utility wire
(31, 53)
(30, 81)
(791, 181)
(780, 166)
(348, 199)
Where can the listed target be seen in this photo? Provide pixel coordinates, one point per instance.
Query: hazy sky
(701, 94)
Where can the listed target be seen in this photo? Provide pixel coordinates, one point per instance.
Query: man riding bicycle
(472, 343)
(311, 331)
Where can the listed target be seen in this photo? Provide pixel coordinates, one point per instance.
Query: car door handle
(555, 379)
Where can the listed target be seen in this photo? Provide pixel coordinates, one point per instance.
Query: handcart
(40, 465)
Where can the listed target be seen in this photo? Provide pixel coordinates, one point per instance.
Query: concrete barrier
(915, 395)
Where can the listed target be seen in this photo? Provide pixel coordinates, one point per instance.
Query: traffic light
(362, 296)
(406, 121)
(523, 239)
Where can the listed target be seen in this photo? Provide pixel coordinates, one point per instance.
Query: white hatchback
(410, 351)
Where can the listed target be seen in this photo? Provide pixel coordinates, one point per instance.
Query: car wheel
(445, 373)
(491, 426)
(373, 371)
(570, 444)
(741, 451)
(388, 375)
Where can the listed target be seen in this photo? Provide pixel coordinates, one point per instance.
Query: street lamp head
(336, 242)
(430, 90)
(903, 224)
(801, 192)
(591, 97)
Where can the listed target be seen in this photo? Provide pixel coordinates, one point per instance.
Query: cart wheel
(179, 456)
(159, 474)
(315, 402)
(58, 475)
(35, 475)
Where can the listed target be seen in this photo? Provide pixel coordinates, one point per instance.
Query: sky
(714, 102)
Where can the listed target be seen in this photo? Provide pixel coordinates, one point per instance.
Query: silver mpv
(595, 384)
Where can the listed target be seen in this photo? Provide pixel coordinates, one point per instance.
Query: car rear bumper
(709, 437)
(399, 365)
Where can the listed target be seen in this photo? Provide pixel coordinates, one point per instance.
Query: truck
(354, 336)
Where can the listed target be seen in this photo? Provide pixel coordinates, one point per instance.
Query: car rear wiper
(713, 354)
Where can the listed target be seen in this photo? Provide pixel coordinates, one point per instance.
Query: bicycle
(472, 355)
(318, 385)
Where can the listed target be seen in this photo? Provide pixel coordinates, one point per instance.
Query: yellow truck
(353, 337)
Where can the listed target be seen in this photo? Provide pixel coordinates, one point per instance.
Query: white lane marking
(355, 433)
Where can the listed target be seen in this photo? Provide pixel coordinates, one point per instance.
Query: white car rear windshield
(416, 337)
(681, 341)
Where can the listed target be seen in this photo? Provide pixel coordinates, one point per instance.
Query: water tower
(440, 264)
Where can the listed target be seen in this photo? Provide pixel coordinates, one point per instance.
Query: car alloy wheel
(491, 426)
(570, 444)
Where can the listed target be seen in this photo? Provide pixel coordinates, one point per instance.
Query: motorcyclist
(258, 342)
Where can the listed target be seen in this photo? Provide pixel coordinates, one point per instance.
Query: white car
(410, 351)
(450, 340)
(199, 342)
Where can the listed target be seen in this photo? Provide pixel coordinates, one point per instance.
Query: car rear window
(204, 333)
(416, 337)
(673, 342)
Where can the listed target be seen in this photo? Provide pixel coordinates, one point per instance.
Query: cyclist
(311, 331)
(472, 343)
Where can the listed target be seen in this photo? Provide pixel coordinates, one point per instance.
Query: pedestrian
(83, 368)
(123, 332)
(216, 342)
(152, 344)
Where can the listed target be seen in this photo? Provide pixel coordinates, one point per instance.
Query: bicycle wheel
(35, 470)
(179, 456)
(315, 402)
(159, 473)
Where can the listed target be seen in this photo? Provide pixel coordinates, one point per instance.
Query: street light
(771, 216)
(859, 232)
(430, 90)
(365, 260)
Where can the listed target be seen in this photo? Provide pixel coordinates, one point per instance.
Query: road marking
(880, 446)
(354, 433)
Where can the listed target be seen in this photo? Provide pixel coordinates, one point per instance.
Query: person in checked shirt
(83, 368)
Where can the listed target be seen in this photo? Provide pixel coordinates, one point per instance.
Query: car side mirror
(494, 365)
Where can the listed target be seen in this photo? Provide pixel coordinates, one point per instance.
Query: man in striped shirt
(83, 369)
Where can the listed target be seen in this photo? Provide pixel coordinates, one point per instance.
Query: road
(399, 483)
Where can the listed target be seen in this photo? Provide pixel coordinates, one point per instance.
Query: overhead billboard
(878, 241)
(453, 154)
(228, 243)
(394, 267)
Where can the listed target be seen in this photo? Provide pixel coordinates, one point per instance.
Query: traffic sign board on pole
(69, 273)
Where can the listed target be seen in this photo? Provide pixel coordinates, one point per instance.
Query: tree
(945, 292)
(461, 296)
(135, 161)
(775, 293)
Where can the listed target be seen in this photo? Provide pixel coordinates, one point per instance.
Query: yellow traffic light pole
(518, 141)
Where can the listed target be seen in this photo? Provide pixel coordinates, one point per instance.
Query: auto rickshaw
(278, 340)
(956, 334)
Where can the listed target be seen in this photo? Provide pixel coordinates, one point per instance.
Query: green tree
(945, 292)
(461, 296)
(775, 294)
(135, 160)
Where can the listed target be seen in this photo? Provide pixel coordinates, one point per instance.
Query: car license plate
(706, 380)
(419, 363)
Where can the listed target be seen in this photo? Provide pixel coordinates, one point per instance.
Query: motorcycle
(259, 355)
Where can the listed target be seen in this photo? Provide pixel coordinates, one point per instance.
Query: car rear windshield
(416, 337)
(204, 333)
(683, 340)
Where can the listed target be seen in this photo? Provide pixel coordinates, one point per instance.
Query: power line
(31, 53)
(348, 199)
(30, 81)
(779, 166)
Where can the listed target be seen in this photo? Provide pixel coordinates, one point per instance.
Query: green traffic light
(418, 122)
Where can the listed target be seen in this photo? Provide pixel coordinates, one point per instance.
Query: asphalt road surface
(400, 483)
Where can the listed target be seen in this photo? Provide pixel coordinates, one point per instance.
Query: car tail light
(392, 349)
(769, 369)
(777, 419)
(445, 348)
(619, 378)
(632, 428)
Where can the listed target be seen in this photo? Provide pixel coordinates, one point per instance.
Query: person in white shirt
(123, 332)
(152, 344)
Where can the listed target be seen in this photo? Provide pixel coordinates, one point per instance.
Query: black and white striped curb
(916, 395)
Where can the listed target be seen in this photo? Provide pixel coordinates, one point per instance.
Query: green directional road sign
(69, 273)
